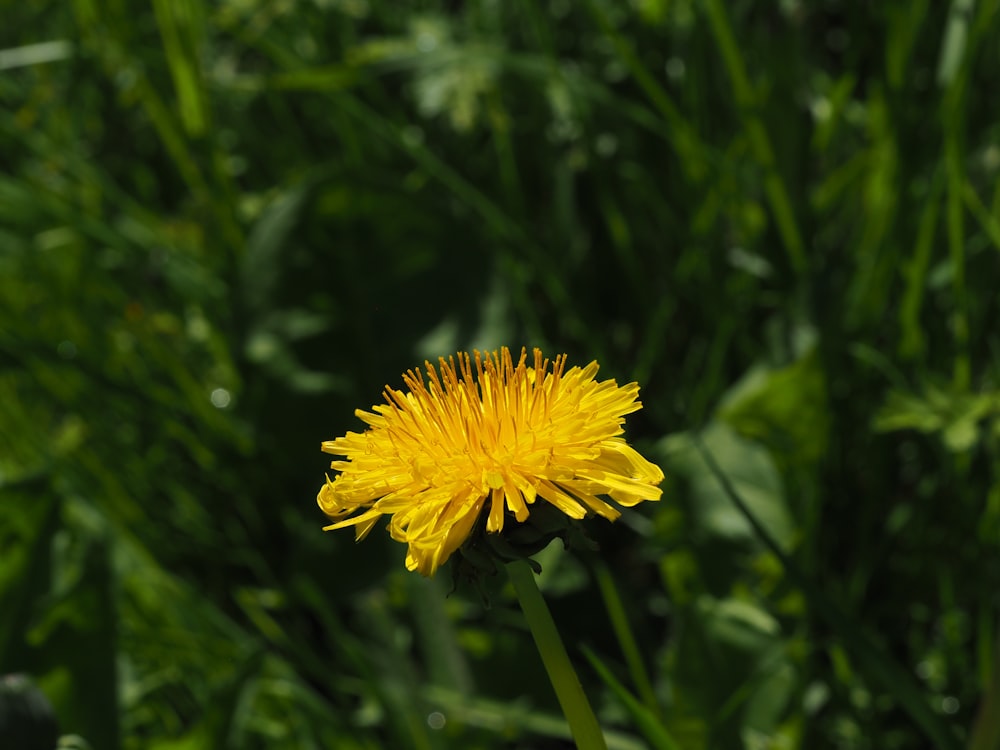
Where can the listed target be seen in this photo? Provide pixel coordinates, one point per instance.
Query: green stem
(576, 708)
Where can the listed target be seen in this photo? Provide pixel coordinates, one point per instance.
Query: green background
(225, 226)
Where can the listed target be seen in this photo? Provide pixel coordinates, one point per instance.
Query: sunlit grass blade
(646, 721)
(626, 638)
(180, 28)
(912, 342)
(35, 54)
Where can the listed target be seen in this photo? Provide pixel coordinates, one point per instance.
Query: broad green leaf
(784, 408)
(748, 466)
(956, 416)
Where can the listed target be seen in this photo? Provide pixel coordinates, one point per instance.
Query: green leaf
(785, 408)
(953, 415)
(751, 470)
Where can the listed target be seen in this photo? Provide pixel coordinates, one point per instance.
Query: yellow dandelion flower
(495, 439)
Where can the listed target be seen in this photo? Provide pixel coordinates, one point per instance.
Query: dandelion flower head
(485, 435)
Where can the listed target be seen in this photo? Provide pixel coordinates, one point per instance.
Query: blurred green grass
(223, 227)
